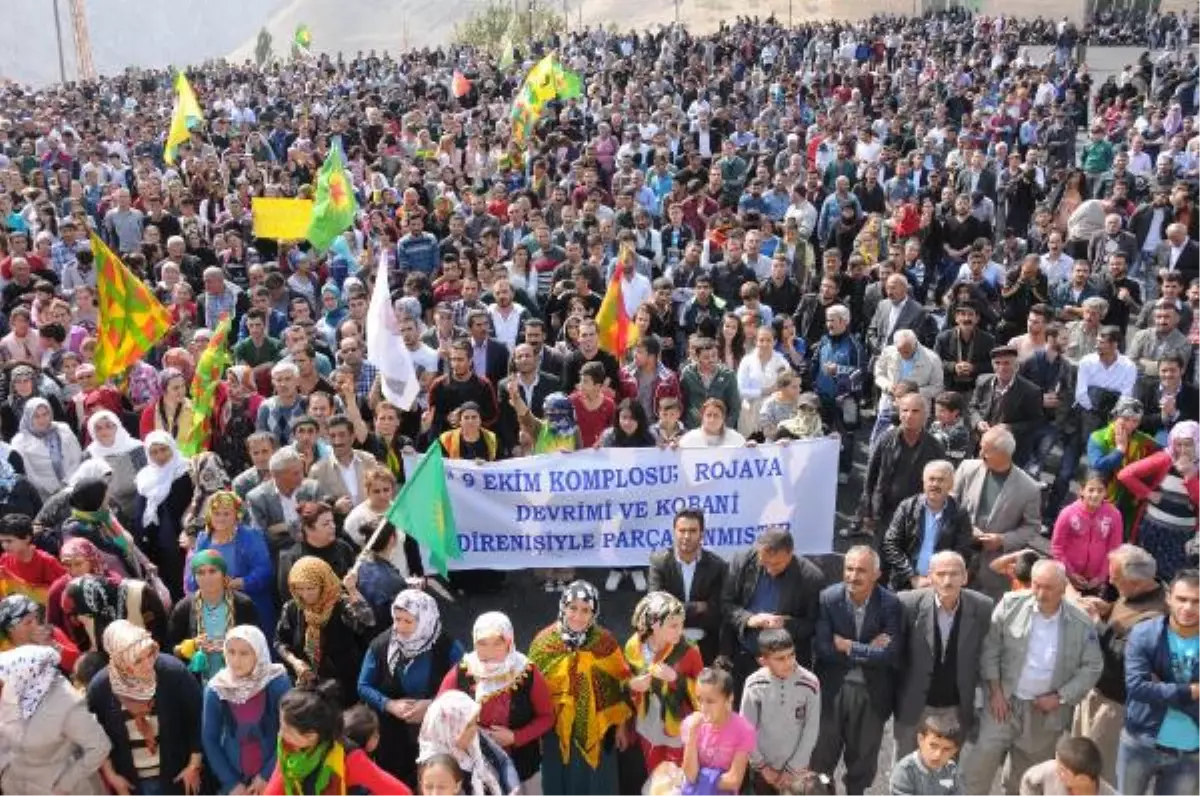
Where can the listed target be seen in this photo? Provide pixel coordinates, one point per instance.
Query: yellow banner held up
(281, 219)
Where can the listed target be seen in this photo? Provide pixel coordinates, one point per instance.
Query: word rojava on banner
(613, 507)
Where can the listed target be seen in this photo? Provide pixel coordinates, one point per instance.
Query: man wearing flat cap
(1003, 397)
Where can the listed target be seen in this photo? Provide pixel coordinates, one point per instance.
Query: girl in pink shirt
(717, 740)
(1085, 533)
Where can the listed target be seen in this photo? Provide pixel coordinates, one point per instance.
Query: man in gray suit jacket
(1040, 658)
(1003, 502)
(945, 626)
(899, 311)
(272, 505)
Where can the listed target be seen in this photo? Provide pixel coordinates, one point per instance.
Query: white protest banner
(613, 507)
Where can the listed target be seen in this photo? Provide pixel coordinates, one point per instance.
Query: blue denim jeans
(1039, 448)
(1140, 760)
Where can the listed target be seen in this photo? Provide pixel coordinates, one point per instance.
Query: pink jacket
(1082, 539)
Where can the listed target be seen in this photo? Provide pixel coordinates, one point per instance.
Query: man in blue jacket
(1161, 738)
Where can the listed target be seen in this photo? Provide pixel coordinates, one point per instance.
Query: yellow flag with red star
(131, 319)
(335, 206)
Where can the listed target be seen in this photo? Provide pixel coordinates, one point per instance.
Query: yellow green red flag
(210, 371)
(335, 206)
(131, 319)
(614, 327)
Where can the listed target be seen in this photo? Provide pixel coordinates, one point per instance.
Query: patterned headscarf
(424, 609)
(27, 672)
(240, 690)
(445, 721)
(125, 643)
(586, 592)
(312, 571)
(494, 677)
(82, 549)
(221, 500)
(653, 610)
(13, 609)
(1184, 430)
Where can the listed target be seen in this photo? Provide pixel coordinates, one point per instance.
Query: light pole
(62, 62)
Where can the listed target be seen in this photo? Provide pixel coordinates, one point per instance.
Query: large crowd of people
(974, 267)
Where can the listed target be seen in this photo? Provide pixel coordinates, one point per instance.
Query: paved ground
(530, 608)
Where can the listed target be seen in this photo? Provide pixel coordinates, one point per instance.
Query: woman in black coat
(149, 705)
(165, 490)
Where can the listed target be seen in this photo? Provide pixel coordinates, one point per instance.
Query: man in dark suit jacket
(1179, 397)
(769, 587)
(1005, 397)
(694, 576)
(986, 182)
(1186, 262)
(860, 636)
(534, 384)
(548, 359)
(899, 311)
(944, 628)
(494, 352)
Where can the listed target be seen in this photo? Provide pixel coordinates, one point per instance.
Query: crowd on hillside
(976, 268)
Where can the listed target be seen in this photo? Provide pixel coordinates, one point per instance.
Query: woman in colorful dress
(241, 712)
(401, 673)
(665, 666)
(586, 673)
(451, 727)
(201, 620)
(244, 552)
(515, 710)
(149, 705)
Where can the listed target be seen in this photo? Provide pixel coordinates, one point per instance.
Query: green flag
(422, 510)
(567, 84)
(335, 206)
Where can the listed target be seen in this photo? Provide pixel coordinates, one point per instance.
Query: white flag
(386, 350)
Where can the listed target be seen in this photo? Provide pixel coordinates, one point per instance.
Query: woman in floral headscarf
(172, 411)
(45, 724)
(451, 727)
(80, 557)
(401, 673)
(244, 551)
(149, 705)
(241, 712)
(665, 667)
(1166, 486)
(586, 672)
(515, 710)
(319, 635)
(92, 519)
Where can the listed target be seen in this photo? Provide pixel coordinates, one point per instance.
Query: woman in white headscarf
(113, 445)
(49, 448)
(164, 489)
(515, 709)
(451, 727)
(401, 673)
(241, 712)
(46, 725)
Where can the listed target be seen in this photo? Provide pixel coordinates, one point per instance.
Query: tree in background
(262, 48)
(498, 25)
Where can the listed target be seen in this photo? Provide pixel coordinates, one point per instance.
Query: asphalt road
(530, 608)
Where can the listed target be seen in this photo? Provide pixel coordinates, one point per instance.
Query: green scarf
(103, 520)
(296, 767)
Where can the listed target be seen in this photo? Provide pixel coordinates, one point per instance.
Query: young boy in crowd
(931, 769)
(24, 569)
(668, 429)
(949, 427)
(361, 727)
(783, 702)
(1075, 770)
(594, 406)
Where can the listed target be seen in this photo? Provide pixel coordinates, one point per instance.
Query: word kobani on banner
(613, 507)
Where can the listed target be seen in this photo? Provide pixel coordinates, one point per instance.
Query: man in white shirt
(1040, 658)
(507, 317)
(1055, 264)
(1105, 369)
(636, 288)
(423, 356)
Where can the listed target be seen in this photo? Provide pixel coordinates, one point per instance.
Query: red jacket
(1146, 475)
